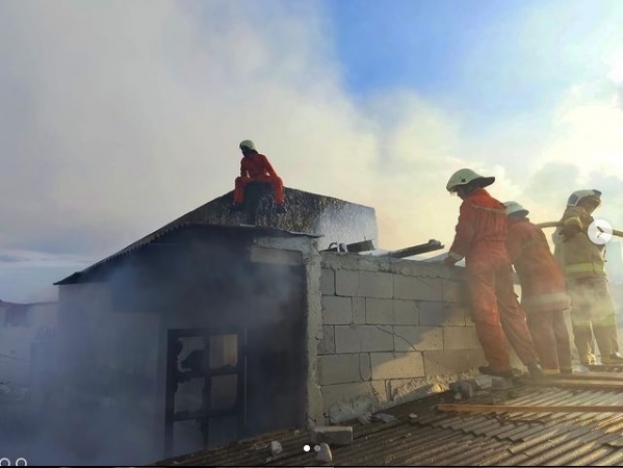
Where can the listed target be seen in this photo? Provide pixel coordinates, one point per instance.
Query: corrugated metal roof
(162, 233)
(453, 439)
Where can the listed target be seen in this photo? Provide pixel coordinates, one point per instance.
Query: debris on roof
(431, 246)
(422, 436)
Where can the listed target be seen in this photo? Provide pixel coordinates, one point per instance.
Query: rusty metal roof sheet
(453, 439)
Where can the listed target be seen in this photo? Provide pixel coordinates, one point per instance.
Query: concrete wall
(393, 330)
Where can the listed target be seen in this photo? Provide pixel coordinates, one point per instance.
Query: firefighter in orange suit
(481, 239)
(543, 293)
(583, 262)
(255, 167)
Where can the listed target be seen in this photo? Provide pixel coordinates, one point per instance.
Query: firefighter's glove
(570, 231)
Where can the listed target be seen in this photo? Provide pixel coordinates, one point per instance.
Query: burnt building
(196, 334)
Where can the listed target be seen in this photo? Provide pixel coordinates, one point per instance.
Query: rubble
(324, 454)
(463, 389)
(365, 419)
(386, 418)
(335, 435)
(275, 448)
(483, 382)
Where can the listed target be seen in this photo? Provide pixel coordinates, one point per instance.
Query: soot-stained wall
(112, 337)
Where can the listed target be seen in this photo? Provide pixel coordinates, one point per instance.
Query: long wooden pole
(554, 224)
(449, 407)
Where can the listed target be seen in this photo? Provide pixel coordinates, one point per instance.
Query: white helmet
(464, 177)
(578, 195)
(512, 207)
(247, 144)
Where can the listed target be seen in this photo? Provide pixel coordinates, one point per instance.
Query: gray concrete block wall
(393, 330)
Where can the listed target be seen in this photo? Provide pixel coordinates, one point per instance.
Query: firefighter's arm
(464, 235)
(571, 224)
(268, 167)
(243, 171)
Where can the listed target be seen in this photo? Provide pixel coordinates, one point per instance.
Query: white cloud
(119, 116)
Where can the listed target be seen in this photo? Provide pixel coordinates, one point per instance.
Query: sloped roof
(161, 234)
(456, 439)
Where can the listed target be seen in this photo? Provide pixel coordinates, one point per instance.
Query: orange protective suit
(257, 168)
(480, 239)
(543, 293)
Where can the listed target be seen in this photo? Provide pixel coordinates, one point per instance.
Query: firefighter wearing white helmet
(464, 178)
(480, 239)
(543, 292)
(255, 168)
(515, 209)
(593, 312)
(247, 144)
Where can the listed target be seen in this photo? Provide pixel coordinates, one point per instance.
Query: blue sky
(118, 117)
(488, 59)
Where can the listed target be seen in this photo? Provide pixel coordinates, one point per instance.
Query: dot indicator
(316, 448)
(307, 448)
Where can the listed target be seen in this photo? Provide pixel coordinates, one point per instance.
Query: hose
(554, 224)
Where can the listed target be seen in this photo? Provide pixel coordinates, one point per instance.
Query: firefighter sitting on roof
(255, 167)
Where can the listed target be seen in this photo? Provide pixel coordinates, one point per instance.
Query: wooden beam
(458, 408)
(588, 384)
(616, 376)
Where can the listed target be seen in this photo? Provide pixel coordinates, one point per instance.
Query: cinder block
(375, 284)
(420, 289)
(332, 435)
(397, 365)
(339, 368)
(469, 321)
(419, 269)
(342, 393)
(446, 362)
(431, 313)
(454, 291)
(460, 338)
(406, 312)
(363, 338)
(454, 315)
(365, 368)
(346, 282)
(327, 282)
(336, 310)
(416, 338)
(379, 311)
(437, 314)
(327, 344)
(359, 310)
(340, 261)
